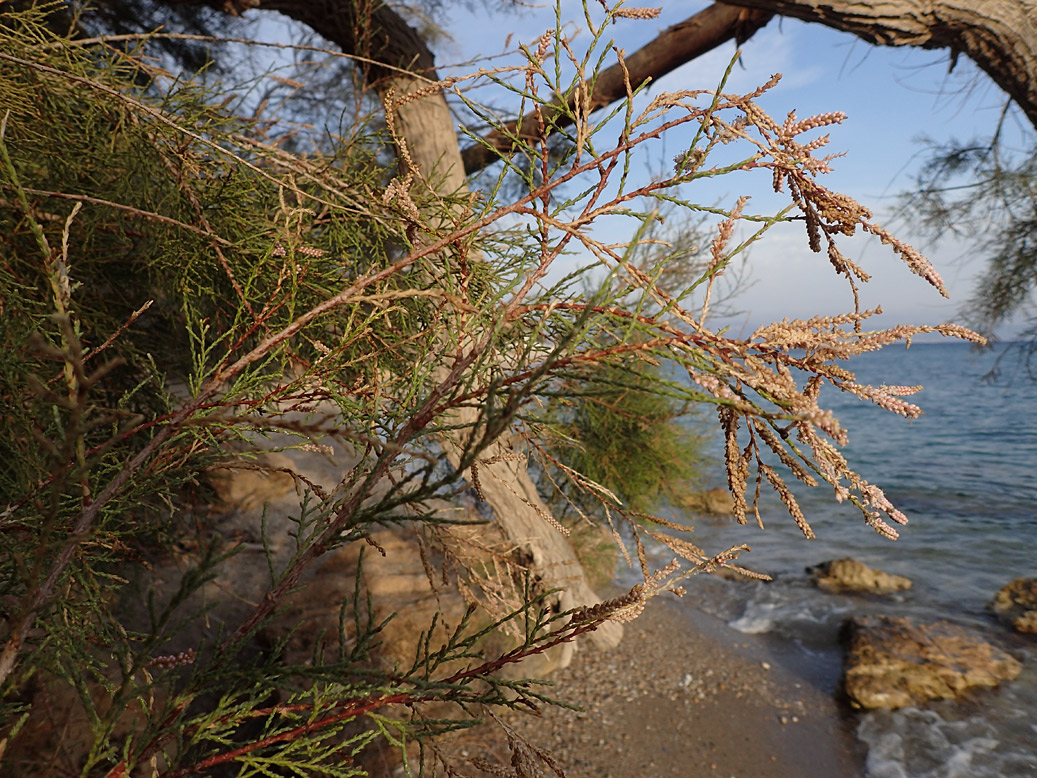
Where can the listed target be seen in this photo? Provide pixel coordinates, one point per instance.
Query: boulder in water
(1016, 604)
(849, 575)
(894, 662)
(713, 502)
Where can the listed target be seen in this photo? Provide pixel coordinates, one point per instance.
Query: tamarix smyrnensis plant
(185, 294)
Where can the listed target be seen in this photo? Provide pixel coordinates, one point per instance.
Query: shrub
(180, 292)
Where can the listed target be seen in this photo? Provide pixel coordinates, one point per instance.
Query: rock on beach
(894, 662)
(1016, 604)
(712, 502)
(849, 575)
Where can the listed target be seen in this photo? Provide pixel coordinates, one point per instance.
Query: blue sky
(892, 98)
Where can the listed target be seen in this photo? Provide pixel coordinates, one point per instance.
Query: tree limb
(368, 28)
(677, 45)
(998, 35)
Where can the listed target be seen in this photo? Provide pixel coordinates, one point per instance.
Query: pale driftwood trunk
(426, 128)
(431, 137)
(998, 35)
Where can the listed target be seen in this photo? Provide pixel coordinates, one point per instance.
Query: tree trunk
(998, 35)
(397, 59)
(403, 64)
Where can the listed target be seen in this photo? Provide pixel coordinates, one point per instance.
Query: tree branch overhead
(674, 47)
(999, 36)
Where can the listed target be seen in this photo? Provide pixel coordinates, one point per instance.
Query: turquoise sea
(965, 473)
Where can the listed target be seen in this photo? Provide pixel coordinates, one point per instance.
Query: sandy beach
(686, 695)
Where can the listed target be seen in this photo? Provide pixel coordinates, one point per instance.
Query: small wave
(794, 611)
(913, 743)
(759, 617)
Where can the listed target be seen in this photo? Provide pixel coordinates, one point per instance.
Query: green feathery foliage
(613, 425)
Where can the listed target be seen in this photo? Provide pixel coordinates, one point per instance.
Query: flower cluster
(171, 661)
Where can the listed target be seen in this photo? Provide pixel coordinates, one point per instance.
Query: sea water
(965, 473)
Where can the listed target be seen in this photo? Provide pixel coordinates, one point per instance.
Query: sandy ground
(683, 695)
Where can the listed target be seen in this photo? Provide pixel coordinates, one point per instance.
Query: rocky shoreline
(685, 694)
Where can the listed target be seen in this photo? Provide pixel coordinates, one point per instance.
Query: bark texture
(998, 35)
